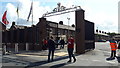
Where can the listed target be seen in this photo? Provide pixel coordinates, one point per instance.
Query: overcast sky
(104, 13)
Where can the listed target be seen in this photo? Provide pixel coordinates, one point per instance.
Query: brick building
(82, 31)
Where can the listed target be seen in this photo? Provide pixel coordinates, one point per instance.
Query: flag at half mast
(31, 8)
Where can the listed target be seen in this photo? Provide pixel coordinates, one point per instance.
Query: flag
(31, 8)
(4, 19)
(17, 11)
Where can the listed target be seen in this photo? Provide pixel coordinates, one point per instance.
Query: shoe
(48, 61)
(69, 61)
(52, 60)
(74, 61)
(113, 57)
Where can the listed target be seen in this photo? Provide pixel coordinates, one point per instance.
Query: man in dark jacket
(62, 42)
(51, 47)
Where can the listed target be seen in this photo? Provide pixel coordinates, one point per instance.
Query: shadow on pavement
(15, 60)
(45, 62)
(118, 59)
(58, 65)
(108, 59)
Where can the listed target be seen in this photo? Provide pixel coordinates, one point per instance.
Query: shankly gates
(84, 34)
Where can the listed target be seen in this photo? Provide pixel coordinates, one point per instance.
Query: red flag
(4, 19)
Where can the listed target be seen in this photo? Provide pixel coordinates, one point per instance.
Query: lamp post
(97, 29)
(97, 34)
(68, 27)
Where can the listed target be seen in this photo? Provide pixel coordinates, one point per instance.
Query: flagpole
(6, 21)
(17, 14)
(32, 12)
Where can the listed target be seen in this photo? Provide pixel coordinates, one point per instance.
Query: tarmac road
(96, 58)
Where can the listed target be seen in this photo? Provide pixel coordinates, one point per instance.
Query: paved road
(96, 57)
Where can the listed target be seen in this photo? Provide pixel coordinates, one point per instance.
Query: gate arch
(81, 40)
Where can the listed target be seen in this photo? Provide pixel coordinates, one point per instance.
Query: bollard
(16, 47)
(4, 49)
(27, 47)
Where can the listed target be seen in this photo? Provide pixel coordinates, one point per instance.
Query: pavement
(34, 59)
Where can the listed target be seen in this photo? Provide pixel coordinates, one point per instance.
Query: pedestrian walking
(113, 46)
(51, 47)
(62, 42)
(70, 49)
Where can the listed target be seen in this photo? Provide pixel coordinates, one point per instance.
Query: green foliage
(111, 34)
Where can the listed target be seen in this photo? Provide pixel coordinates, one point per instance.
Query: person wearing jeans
(70, 49)
(113, 46)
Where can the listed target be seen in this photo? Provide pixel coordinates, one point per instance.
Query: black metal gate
(89, 35)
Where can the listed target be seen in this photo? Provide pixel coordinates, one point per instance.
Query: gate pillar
(42, 29)
(80, 31)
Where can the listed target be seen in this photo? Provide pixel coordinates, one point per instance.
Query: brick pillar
(80, 31)
(41, 26)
